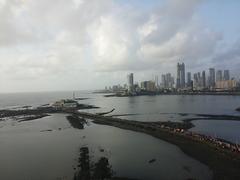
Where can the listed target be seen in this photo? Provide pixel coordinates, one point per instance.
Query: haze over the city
(88, 44)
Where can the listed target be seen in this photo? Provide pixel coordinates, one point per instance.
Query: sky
(62, 45)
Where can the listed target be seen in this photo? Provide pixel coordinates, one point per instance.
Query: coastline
(219, 155)
(220, 93)
(224, 163)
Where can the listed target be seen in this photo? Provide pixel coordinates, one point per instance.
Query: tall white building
(130, 81)
(180, 75)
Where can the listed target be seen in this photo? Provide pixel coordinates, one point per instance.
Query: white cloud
(59, 39)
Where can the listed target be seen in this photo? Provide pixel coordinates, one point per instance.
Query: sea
(48, 148)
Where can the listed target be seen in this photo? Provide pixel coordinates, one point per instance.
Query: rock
(101, 150)
(47, 130)
(152, 161)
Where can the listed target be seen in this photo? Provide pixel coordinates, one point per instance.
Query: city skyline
(213, 80)
(102, 40)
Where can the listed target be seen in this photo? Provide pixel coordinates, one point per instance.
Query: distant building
(199, 81)
(156, 81)
(164, 81)
(130, 81)
(170, 80)
(211, 78)
(203, 79)
(148, 86)
(137, 88)
(180, 76)
(167, 81)
(196, 81)
(65, 103)
(226, 85)
(219, 76)
(116, 88)
(226, 75)
(189, 79)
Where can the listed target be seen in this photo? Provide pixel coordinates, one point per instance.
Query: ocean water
(147, 108)
(140, 105)
(48, 148)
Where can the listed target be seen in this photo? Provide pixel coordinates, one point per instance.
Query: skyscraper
(130, 82)
(156, 81)
(169, 80)
(219, 75)
(164, 81)
(211, 77)
(195, 81)
(226, 75)
(189, 79)
(203, 79)
(180, 75)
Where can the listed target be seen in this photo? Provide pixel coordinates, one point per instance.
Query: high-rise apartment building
(189, 79)
(130, 82)
(180, 75)
(170, 80)
(156, 81)
(219, 76)
(226, 75)
(203, 79)
(148, 86)
(211, 77)
(167, 81)
(164, 81)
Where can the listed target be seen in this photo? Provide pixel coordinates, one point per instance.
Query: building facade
(226, 75)
(189, 79)
(211, 78)
(180, 76)
(130, 81)
(148, 86)
(226, 85)
(219, 76)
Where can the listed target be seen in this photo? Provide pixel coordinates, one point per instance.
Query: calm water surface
(147, 108)
(228, 130)
(29, 152)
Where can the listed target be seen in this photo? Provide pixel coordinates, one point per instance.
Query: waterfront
(147, 108)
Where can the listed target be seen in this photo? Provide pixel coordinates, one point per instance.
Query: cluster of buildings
(215, 81)
(210, 80)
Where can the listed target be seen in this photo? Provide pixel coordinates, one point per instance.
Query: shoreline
(221, 156)
(115, 94)
(224, 163)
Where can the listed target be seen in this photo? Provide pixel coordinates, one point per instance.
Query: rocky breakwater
(28, 113)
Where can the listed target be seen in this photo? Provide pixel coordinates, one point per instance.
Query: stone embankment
(27, 113)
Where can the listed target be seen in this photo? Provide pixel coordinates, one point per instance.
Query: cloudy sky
(48, 45)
